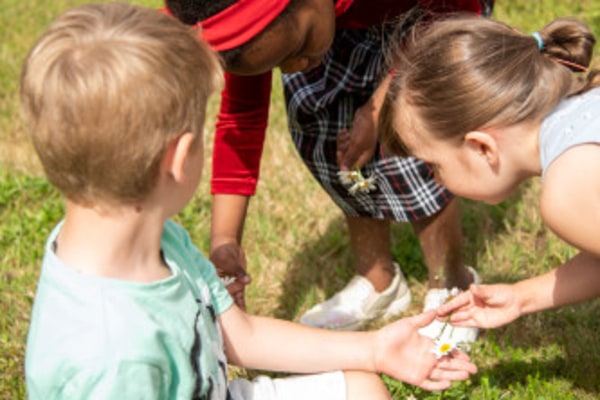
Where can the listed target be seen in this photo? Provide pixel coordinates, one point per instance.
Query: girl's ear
(483, 145)
(177, 154)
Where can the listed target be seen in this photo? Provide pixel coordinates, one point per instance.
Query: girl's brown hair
(466, 73)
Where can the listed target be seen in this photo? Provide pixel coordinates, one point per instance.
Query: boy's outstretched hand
(404, 354)
(483, 306)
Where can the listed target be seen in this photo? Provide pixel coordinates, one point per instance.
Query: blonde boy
(126, 306)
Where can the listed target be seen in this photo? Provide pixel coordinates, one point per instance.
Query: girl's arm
(238, 145)
(491, 306)
(570, 199)
(575, 281)
(570, 207)
(226, 253)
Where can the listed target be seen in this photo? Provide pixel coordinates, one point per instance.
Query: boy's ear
(177, 154)
(484, 145)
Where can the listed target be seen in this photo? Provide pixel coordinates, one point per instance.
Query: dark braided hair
(191, 12)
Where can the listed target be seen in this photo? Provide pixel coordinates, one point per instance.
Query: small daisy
(444, 347)
(349, 177)
(227, 280)
(445, 344)
(356, 181)
(364, 186)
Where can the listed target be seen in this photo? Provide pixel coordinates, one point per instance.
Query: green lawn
(296, 242)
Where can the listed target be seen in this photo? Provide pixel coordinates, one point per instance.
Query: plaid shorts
(322, 102)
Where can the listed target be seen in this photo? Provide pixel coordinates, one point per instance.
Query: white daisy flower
(227, 280)
(444, 342)
(364, 186)
(357, 180)
(344, 178)
(349, 177)
(368, 184)
(444, 347)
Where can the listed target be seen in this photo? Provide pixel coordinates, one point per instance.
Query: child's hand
(355, 147)
(401, 352)
(230, 262)
(483, 306)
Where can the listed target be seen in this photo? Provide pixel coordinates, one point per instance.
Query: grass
(296, 241)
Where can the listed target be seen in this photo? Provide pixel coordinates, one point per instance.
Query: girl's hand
(230, 262)
(483, 306)
(355, 147)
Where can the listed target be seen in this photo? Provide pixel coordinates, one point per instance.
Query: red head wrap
(244, 19)
(238, 23)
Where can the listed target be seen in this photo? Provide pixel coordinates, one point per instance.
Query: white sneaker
(435, 330)
(358, 303)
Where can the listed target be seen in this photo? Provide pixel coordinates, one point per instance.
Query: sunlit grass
(296, 241)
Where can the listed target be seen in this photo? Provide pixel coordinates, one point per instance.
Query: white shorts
(325, 386)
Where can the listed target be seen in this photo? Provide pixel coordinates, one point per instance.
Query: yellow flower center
(445, 347)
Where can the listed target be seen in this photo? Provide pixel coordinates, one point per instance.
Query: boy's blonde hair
(104, 91)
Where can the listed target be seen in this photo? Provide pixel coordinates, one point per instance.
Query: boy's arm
(397, 349)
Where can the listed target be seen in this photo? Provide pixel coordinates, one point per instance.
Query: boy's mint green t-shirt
(99, 338)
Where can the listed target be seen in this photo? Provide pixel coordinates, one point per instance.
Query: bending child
(489, 107)
(332, 56)
(126, 305)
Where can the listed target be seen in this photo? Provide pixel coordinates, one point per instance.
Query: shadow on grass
(324, 264)
(513, 376)
(549, 355)
(560, 344)
(534, 374)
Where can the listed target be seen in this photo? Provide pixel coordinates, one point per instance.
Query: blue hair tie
(538, 39)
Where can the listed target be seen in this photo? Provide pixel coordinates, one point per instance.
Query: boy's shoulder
(181, 253)
(90, 315)
(178, 249)
(85, 329)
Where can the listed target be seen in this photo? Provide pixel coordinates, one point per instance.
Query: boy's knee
(365, 385)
